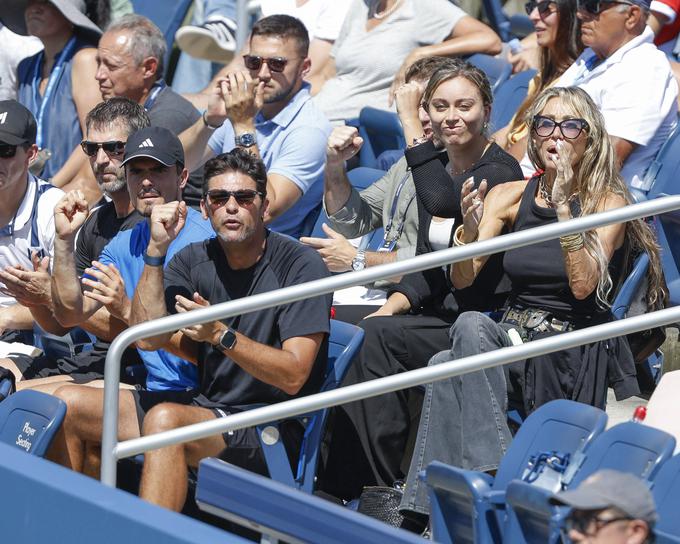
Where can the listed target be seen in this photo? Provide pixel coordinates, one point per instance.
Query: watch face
(247, 139)
(357, 265)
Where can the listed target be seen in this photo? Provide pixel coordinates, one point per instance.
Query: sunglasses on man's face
(589, 524)
(545, 8)
(570, 128)
(7, 151)
(114, 147)
(218, 198)
(275, 64)
(595, 7)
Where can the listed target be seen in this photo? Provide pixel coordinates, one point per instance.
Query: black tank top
(538, 273)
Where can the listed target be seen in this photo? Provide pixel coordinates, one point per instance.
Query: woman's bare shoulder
(507, 193)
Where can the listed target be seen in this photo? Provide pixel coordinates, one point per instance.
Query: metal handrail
(111, 450)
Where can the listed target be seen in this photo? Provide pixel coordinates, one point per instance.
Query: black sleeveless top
(538, 274)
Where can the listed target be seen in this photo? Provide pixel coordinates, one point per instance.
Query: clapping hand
(472, 207)
(203, 332)
(29, 288)
(108, 288)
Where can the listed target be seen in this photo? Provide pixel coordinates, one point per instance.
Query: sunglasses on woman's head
(570, 128)
(275, 64)
(114, 147)
(219, 198)
(595, 7)
(546, 7)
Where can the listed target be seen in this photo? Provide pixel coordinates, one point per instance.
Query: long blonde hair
(596, 178)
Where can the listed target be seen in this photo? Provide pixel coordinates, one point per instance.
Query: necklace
(545, 195)
(389, 11)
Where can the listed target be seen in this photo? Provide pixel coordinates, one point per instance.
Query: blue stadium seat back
(167, 15)
(280, 512)
(381, 131)
(667, 228)
(660, 176)
(5, 388)
(664, 538)
(628, 447)
(509, 97)
(468, 506)
(344, 343)
(497, 70)
(387, 159)
(499, 21)
(69, 345)
(30, 419)
(666, 491)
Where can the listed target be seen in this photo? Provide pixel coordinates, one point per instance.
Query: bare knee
(162, 417)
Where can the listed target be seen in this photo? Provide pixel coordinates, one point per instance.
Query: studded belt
(536, 320)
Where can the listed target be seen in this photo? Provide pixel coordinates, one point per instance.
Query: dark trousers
(369, 438)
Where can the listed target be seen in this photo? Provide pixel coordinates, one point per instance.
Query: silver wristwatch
(359, 262)
(247, 139)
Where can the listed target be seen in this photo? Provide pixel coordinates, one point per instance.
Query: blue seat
(381, 131)
(166, 15)
(69, 345)
(509, 97)
(30, 419)
(666, 491)
(280, 512)
(629, 447)
(507, 27)
(661, 173)
(343, 344)
(498, 70)
(5, 388)
(467, 506)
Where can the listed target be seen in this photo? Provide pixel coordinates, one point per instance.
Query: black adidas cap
(155, 143)
(17, 124)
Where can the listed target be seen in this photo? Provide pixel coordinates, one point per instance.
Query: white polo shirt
(637, 94)
(31, 229)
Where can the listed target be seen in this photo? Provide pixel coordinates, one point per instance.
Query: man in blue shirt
(155, 172)
(267, 110)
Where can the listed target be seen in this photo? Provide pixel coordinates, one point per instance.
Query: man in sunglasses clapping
(267, 111)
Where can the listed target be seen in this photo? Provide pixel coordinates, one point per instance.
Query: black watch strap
(154, 261)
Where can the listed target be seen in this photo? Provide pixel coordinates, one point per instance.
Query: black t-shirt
(202, 267)
(102, 225)
(174, 112)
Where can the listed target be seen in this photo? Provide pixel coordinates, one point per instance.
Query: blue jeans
(463, 421)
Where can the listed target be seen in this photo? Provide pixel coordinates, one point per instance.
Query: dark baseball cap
(156, 143)
(17, 124)
(608, 488)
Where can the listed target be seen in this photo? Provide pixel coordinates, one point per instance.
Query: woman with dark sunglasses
(558, 37)
(556, 286)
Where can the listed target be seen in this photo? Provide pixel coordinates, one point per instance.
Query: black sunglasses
(544, 7)
(219, 198)
(7, 151)
(275, 64)
(570, 128)
(595, 7)
(583, 523)
(114, 147)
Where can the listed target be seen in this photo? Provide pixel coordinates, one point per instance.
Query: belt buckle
(535, 318)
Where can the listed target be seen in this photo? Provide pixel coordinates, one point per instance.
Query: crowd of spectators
(122, 201)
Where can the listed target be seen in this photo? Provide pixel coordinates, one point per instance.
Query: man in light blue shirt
(267, 110)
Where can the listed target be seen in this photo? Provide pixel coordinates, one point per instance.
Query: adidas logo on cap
(3, 117)
(146, 143)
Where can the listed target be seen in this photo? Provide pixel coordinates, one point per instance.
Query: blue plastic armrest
(497, 498)
(457, 480)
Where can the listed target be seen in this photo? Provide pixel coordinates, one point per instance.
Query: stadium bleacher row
(50, 503)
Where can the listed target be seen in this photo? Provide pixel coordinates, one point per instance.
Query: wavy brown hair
(597, 178)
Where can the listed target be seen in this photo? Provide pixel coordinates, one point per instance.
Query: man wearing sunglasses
(155, 173)
(629, 79)
(609, 507)
(26, 221)
(267, 110)
(266, 356)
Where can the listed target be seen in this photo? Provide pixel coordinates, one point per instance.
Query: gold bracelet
(572, 242)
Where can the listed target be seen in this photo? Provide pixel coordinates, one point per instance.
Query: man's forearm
(67, 297)
(374, 258)
(103, 325)
(149, 303)
(194, 141)
(337, 187)
(44, 317)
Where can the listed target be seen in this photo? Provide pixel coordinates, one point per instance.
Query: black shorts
(243, 447)
(145, 400)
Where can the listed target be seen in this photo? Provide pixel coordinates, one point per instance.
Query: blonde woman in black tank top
(558, 285)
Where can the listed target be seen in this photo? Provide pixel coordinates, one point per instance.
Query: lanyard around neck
(55, 76)
(153, 95)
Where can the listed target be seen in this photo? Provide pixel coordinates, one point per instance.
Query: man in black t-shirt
(260, 357)
(108, 127)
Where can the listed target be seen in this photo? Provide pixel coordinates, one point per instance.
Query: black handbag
(382, 503)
